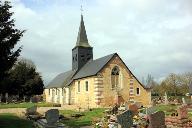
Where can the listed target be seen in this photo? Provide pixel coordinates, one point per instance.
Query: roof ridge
(105, 56)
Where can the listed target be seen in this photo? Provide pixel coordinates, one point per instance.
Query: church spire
(82, 36)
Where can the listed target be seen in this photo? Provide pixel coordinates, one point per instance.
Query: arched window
(115, 81)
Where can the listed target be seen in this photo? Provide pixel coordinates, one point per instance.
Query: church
(93, 83)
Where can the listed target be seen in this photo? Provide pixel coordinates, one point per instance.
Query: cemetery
(163, 113)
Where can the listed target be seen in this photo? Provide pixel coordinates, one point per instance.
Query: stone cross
(157, 120)
(125, 119)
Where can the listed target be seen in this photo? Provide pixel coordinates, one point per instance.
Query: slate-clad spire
(82, 52)
(82, 36)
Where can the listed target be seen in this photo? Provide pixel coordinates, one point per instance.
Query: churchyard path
(21, 111)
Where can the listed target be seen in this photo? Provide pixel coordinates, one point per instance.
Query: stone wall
(84, 99)
(124, 90)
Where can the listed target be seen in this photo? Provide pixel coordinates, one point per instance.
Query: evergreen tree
(9, 37)
(25, 80)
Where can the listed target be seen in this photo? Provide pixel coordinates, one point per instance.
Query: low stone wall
(174, 121)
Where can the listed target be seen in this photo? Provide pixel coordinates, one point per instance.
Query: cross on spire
(81, 9)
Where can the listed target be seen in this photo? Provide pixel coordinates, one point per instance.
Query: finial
(81, 7)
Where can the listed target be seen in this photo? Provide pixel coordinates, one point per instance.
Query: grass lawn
(25, 105)
(12, 121)
(85, 120)
(168, 109)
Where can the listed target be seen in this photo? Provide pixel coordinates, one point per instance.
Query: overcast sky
(151, 36)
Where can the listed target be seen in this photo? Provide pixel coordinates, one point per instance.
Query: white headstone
(166, 99)
(183, 100)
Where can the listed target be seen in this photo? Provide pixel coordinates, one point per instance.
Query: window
(88, 58)
(56, 91)
(138, 91)
(86, 86)
(62, 91)
(76, 57)
(49, 91)
(115, 77)
(79, 86)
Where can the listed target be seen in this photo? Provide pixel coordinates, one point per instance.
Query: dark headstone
(157, 120)
(52, 116)
(115, 109)
(125, 119)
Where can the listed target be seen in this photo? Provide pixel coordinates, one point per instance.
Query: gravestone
(157, 120)
(190, 88)
(6, 97)
(32, 110)
(183, 100)
(125, 119)
(32, 114)
(182, 112)
(134, 109)
(150, 110)
(115, 109)
(166, 99)
(52, 116)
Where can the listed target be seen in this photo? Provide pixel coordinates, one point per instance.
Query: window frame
(78, 87)
(119, 76)
(55, 91)
(138, 90)
(86, 86)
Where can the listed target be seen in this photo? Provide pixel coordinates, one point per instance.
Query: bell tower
(82, 52)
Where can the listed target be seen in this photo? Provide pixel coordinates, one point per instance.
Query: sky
(151, 36)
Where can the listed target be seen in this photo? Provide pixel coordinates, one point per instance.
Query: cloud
(152, 36)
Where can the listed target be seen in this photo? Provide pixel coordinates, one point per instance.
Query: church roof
(82, 35)
(61, 79)
(91, 68)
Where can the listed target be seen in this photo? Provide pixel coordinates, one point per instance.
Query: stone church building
(95, 83)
